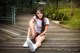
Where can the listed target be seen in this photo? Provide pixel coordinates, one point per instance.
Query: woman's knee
(31, 24)
(39, 44)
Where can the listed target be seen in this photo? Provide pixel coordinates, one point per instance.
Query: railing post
(13, 14)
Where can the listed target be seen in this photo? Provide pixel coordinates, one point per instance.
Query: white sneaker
(25, 44)
(31, 45)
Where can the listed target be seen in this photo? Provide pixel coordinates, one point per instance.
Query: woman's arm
(46, 28)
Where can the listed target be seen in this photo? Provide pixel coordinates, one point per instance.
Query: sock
(31, 45)
(25, 44)
(27, 37)
(35, 46)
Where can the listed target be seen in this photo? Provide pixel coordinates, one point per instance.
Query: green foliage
(74, 22)
(60, 16)
(63, 14)
(54, 14)
(49, 11)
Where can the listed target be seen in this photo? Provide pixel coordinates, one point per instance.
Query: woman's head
(39, 13)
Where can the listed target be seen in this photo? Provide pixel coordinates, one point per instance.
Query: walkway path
(58, 39)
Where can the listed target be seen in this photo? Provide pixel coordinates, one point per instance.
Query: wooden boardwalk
(58, 39)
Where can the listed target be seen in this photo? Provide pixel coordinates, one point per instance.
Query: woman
(38, 26)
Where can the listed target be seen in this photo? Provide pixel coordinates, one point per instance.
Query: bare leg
(39, 40)
(31, 31)
(30, 35)
(32, 28)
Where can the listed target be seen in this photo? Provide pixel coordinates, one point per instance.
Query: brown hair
(43, 25)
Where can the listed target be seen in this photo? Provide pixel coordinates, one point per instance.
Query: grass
(74, 22)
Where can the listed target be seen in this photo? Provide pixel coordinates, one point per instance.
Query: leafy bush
(60, 17)
(74, 22)
(64, 14)
(52, 13)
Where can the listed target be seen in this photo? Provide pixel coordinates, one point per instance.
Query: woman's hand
(33, 33)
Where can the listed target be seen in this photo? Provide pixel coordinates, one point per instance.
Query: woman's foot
(25, 44)
(31, 45)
